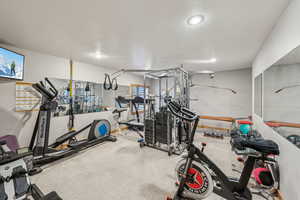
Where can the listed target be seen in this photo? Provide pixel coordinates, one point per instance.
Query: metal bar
(145, 79)
(226, 119)
(46, 133)
(167, 87)
(246, 173)
(168, 131)
(284, 124)
(71, 113)
(159, 87)
(118, 73)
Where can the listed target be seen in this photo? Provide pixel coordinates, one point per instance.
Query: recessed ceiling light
(98, 54)
(194, 20)
(205, 72)
(212, 60)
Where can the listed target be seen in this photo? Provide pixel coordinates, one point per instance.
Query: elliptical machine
(43, 152)
(198, 176)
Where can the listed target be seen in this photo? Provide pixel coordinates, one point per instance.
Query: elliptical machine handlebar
(50, 93)
(180, 111)
(52, 87)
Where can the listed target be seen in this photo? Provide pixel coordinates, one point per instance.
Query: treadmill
(133, 124)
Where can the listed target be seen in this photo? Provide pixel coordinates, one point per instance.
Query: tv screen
(11, 64)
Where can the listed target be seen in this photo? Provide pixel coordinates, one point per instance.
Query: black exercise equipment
(134, 102)
(39, 143)
(99, 132)
(183, 131)
(266, 171)
(295, 139)
(14, 180)
(161, 126)
(136, 124)
(43, 152)
(198, 176)
(110, 80)
(110, 84)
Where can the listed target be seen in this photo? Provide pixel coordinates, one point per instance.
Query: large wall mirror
(88, 97)
(258, 95)
(282, 97)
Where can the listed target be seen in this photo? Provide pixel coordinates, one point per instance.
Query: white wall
(38, 66)
(220, 102)
(284, 38)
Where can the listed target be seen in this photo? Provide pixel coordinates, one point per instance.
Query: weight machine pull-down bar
(110, 80)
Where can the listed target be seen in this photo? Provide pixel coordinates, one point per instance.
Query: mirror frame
(261, 99)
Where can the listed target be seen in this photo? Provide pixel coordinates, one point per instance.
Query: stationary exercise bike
(198, 176)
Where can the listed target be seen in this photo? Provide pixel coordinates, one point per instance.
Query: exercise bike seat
(261, 145)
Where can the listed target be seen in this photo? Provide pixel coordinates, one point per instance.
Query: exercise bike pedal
(203, 144)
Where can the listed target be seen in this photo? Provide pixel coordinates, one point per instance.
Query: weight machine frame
(181, 81)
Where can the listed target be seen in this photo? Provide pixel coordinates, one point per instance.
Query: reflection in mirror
(108, 98)
(87, 97)
(139, 91)
(258, 95)
(282, 95)
(63, 99)
(123, 91)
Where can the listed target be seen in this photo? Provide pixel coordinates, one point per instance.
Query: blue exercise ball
(245, 129)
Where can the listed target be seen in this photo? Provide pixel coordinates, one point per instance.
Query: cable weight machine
(161, 130)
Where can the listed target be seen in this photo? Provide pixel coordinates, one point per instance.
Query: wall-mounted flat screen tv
(11, 64)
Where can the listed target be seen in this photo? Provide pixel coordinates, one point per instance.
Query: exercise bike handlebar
(181, 112)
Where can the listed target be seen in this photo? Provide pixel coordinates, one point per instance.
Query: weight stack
(163, 127)
(150, 131)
